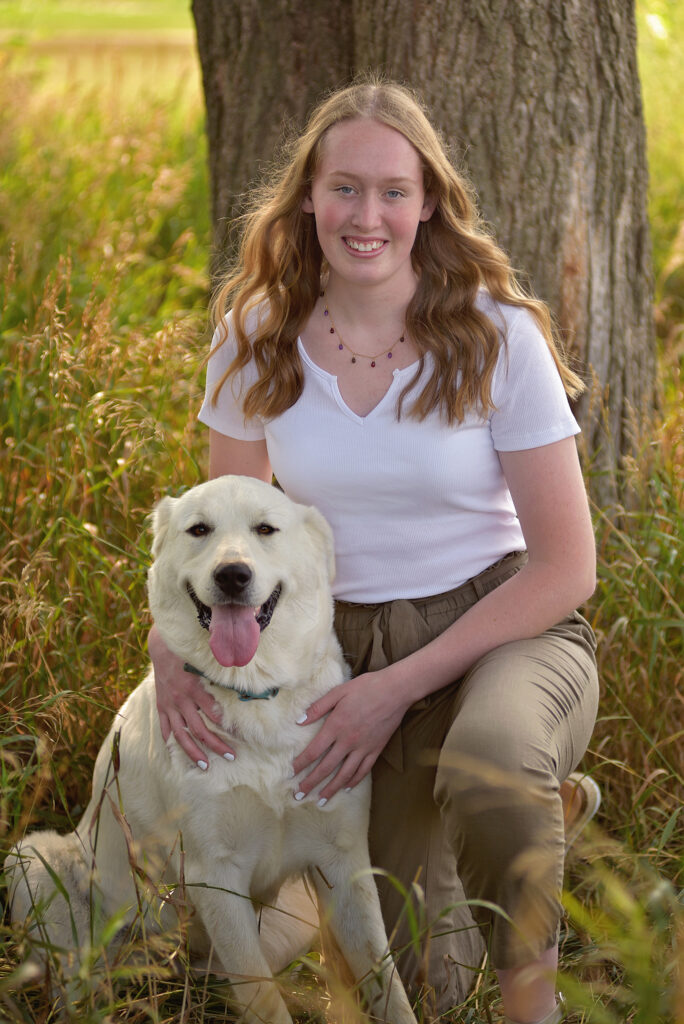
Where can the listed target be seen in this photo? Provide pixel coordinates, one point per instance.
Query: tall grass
(104, 241)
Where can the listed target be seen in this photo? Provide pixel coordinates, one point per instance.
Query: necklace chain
(341, 344)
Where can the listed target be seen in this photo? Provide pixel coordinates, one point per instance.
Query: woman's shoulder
(225, 346)
(525, 358)
(250, 316)
(522, 339)
(504, 315)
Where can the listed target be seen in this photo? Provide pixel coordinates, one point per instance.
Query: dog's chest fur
(266, 739)
(267, 840)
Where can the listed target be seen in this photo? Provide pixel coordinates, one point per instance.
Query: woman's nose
(367, 212)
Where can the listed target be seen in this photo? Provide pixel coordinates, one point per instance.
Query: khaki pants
(466, 793)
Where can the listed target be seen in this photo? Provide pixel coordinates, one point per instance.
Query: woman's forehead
(364, 143)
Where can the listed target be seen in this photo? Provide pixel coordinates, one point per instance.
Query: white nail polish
(203, 765)
(299, 795)
(301, 719)
(291, 773)
(323, 801)
(228, 756)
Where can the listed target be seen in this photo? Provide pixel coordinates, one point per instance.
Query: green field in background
(139, 48)
(46, 17)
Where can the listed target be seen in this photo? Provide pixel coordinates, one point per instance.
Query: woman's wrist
(161, 656)
(155, 644)
(424, 672)
(401, 683)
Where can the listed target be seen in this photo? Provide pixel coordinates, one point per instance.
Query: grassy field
(45, 18)
(104, 241)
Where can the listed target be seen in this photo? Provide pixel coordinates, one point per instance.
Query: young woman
(381, 359)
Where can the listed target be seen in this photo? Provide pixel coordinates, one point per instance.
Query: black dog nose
(233, 578)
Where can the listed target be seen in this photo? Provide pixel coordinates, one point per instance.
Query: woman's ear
(307, 204)
(429, 207)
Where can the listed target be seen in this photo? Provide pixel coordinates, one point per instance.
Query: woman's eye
(346, 190)
(198, 530)
(265, 529)
(394, 193)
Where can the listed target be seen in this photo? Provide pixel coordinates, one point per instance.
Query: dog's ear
(161, 514)
(319, 528)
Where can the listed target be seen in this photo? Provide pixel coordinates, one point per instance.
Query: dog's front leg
(231, 924)
(349, 900)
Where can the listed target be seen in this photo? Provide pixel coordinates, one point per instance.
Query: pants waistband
(464, 594)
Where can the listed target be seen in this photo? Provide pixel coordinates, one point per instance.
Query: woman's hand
(180, 698)
(361, 714)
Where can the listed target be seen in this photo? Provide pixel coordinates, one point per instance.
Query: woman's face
(368, 199)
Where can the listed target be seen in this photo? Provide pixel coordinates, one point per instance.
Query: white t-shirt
(416, 508)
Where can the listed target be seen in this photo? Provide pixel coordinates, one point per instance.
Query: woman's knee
(496, 782)
(517, 720)
(493, 747)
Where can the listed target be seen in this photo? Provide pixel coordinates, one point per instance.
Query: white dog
(239, 589)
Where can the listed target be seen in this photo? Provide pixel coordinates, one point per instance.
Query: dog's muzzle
(263, 616)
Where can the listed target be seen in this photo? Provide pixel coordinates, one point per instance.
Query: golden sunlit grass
(103, 292)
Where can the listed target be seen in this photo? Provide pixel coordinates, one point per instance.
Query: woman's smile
(365, 246)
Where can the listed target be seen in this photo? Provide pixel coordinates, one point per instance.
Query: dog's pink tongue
(233, 634)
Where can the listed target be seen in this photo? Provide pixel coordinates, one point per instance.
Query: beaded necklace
(356, 355)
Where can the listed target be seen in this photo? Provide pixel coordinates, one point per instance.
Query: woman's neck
(370, 309)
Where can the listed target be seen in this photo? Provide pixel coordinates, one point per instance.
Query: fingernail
(301, 719)
(228, 756)
(299, 795)
(203, 765)
(347, 789)
(291, 774)
(323, 801)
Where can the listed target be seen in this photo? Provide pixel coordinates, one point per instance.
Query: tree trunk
(264, 65)
(540, 100)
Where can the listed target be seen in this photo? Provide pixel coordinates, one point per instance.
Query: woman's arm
(228, 455)
(548, 491)
(181, 696)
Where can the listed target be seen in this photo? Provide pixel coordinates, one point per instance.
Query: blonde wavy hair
(280, 266)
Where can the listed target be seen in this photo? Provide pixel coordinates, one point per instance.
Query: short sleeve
(225, 414)
(531, 406)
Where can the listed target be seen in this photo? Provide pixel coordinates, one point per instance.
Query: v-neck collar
(398, 377)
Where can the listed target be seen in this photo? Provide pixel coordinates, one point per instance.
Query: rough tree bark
(541, 102)
(264, 64)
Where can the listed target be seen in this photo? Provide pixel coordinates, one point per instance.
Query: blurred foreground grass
(104, 239)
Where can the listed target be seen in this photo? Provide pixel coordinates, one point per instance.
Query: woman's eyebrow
(398, 179)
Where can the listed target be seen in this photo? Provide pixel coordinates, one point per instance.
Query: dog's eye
(265, 529)
(198, 530)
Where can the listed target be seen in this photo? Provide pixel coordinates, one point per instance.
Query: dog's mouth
(265, 613)
(203, 610)
(234, 629)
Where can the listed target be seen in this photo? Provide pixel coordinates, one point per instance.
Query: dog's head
(237, 560)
